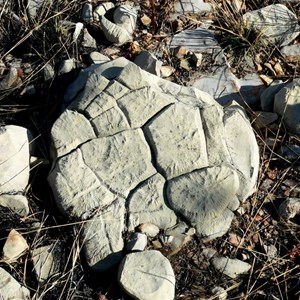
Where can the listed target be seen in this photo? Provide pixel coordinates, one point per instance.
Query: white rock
(230, 267)
(191, 6)
(149, 229)
(17, 203)
(148, 62)
(14, 166)
(147, 275)
(33, 6)
(101, 10)
(126, 17)
(166, 71)
(276, 22)
(102, 237)
(291, 52)
(289, 208)
(10, 289)
(98, 58)
(137, 242)
(48, 72)
(115, 33)
(15, 246)
(47, 262)
(287, 104)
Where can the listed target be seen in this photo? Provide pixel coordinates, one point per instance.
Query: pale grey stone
(138, 242)
(179, 144)
(148, 62)
(147, 275)
(80, 191)
(102, 237)
(147, 204)
(141, 105)
(14, 247)
(276, 22)
(87, 12)
(291, 52)
(88, 40)
(125, 17)
(121, 161)
(14, 159)
(191, 6)
(110, 122)
(48, 72)
(114, 33)
(287, 105)
(98, 58)
(64, 143)
(230, 267)
(10, 289)
(10, 79)
(112, 69)
(149, 229)
(244, 152)
(116, 89)
(267, 96)
(204, 197)
(16, 202)
(101, 10)
(34, 5)
(47, 262)
(289, 208)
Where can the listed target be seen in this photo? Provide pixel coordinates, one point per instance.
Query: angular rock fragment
(10, 289)
(147, 275)
(47, 262)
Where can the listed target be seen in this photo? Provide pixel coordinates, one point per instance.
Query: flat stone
(148, 62)
(102, 236)
(263, 119)
(147, 275)
(125, 17)
(81, 191)
(191, 6)
(11, 289)
(204, 197)
(149, 229)
(276, 22)
(16, 202)
(67, 66)
(76, 136)
(230, 267)
(14, 166)
(87, 12)
(137, 242)
(48, 72)
(98, 58)
(147, 204)
(287, 105)
(15, 246)
(33, 6)
(128, 162)
(47, 262)
(179, 145)
(291, 52)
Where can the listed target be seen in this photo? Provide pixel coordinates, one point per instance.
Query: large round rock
(132, 148)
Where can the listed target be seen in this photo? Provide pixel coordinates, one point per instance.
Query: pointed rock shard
(15, 246)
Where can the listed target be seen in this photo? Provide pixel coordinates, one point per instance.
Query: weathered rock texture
(136, 149)
(14, 167)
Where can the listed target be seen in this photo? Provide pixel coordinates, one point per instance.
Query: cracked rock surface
(133, 148)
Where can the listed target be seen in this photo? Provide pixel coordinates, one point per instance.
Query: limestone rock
(148, 151)
(88, 40)
(98, 58)
(137, 242)
(276, 22)
(267, 96)
(101, 10)
(47, 262)
(147, 275)
(10, 289)
(191, 6)
(14, 167)
(148, 62)
(289, 208)
(87, 12)
(102, 237)
(287, 104)
(125, 17)
(14, 246)
(291, 52)
(230, 267)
